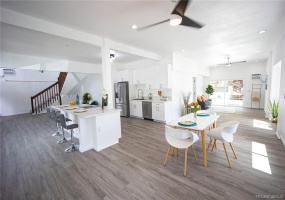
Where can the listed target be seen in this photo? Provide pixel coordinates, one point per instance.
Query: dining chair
(224, 133)
(180, 139)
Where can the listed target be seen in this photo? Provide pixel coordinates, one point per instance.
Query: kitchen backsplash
(165, 92)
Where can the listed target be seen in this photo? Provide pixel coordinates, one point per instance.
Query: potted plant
(210, 90)
(86, 98)
(273, 109)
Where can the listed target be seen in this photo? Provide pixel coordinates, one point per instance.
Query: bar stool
(73, 147)
(56, 119)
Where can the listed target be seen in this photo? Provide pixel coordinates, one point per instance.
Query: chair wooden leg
(177, 152)
(233, 150)
(185, 162)
(167, 155)
(193, 150)
(209, 145)
(173, 151)
(227, 155)
(214, 144)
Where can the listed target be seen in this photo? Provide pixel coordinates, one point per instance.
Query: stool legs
(57, 133)
(63, 140)
(73, 147)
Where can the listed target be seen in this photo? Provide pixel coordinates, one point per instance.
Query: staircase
(48, 96)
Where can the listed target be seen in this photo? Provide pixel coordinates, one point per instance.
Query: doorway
(227, 93)
(275, 82)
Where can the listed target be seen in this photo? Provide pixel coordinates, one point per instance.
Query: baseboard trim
(278, 136)
(282, 141)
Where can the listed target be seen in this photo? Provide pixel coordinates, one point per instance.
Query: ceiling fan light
(175, 20)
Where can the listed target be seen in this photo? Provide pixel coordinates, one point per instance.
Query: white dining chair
(180, 139)
(224, 133)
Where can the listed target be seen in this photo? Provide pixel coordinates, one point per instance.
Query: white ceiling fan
(230, 63)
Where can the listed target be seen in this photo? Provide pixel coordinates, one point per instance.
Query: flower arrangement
(104, 98)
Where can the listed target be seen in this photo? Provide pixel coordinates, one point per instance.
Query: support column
(107, 74)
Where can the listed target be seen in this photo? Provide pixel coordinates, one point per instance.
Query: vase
(274, 120)
(195, 114)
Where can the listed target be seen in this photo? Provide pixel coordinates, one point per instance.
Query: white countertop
(90, 112)
(151, 100)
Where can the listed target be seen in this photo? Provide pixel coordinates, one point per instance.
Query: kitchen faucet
(140, 93)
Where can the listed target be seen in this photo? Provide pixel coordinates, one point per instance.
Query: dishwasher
(147, 110)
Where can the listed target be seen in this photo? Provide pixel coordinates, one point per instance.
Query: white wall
(184, 69)
(16, 96)
(10, 60)
(278, 54)
(243, 72)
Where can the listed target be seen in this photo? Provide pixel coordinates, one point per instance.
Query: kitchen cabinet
(162, 111)
(139, 76)
(162, 77)
(124, 76)
(136, 108)
(150, 78)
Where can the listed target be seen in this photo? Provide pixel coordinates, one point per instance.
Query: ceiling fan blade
(223, 64)
(238, 62)
(180, 8)
(189, 22)
(148, 26)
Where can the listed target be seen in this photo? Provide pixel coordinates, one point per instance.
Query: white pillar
(107, 74)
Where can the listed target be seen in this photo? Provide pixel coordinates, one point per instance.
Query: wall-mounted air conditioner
(256, 76)
(8, 71)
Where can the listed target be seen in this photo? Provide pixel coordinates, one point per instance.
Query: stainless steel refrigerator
(122, 98)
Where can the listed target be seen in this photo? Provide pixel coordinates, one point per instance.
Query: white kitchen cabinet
(150, 78)
(139, 76)
(162, 111)
(124, 76)
(136, 108)
(162, 77)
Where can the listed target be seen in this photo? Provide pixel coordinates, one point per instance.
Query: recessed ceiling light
(258, 51)
(263, 31)
(134, 26)
(183, 50)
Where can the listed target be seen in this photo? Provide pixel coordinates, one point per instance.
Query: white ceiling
(24, 41)
(231, 27)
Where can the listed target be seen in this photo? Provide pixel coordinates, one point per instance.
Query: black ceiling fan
(177, 17)
(230, 63)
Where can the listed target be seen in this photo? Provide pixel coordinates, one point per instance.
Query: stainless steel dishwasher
(147, 110)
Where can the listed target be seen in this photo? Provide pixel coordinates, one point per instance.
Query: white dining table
(203, 123)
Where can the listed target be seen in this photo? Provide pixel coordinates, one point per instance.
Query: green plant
(210, 90)
(273, 108)
(86, 98)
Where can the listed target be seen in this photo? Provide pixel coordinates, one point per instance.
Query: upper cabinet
(158, 77)
(139, 76)
(124, 76)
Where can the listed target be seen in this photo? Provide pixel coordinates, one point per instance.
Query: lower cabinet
(162, 111)
(136, 108)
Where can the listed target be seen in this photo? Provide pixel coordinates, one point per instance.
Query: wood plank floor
(34, 166)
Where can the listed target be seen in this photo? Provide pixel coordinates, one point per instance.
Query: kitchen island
(97, 128)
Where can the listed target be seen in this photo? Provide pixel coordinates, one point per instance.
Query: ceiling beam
(131, 50)
(25, 21)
